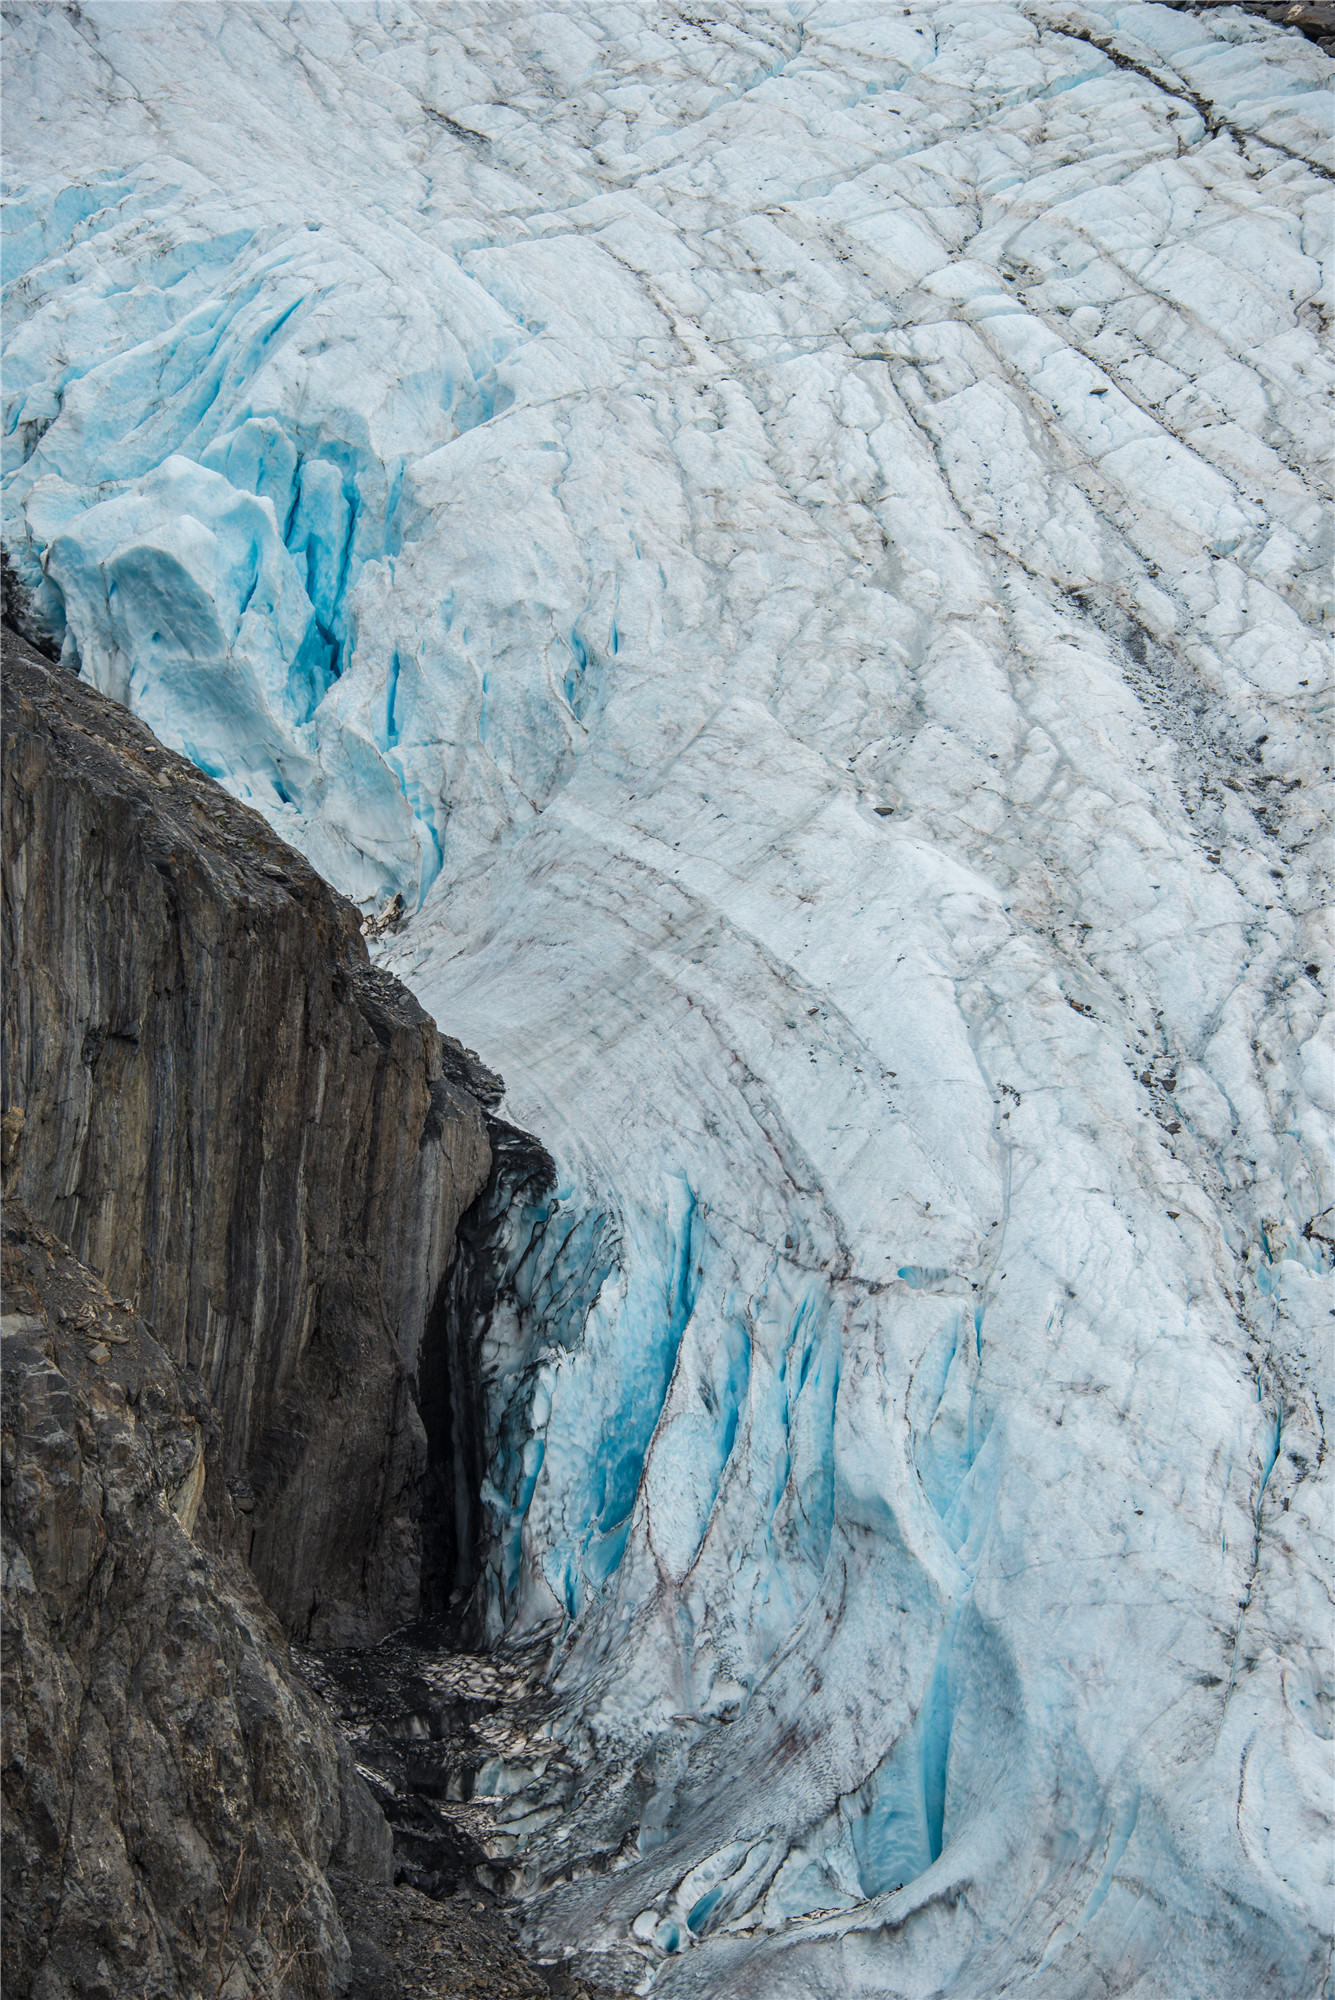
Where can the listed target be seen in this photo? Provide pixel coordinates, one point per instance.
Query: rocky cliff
(250, 1133)
(181, 1814)
(256, 1151)
(172, 1794)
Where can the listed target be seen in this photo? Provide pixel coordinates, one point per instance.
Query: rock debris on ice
(792, 535)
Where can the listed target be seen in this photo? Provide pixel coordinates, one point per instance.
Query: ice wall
(793, 534)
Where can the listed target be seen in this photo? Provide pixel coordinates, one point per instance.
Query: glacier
(794, 534)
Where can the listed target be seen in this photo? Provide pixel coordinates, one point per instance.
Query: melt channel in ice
(793, 534)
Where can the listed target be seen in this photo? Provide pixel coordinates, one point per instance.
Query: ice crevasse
(793, 534)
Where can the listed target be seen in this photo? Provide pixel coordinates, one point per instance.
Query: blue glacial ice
(793, 534)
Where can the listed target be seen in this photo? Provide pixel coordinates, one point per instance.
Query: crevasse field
(792, 534)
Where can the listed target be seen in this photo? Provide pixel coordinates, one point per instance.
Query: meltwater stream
(792, 535)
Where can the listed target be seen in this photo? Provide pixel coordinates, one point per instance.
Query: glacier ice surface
(793, 534)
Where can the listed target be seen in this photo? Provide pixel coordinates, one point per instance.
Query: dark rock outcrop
(265, 1150)
(493, 1239)
(172, 1793)
(245, 1128)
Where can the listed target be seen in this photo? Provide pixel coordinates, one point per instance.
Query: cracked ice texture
(794, 534)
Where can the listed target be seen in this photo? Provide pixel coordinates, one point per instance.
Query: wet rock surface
(234, 1117)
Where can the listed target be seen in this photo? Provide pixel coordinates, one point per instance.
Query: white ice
(794, 534)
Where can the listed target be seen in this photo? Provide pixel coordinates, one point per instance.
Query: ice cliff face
(791, 533)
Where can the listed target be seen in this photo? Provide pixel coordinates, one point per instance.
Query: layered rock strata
(243, 1127)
